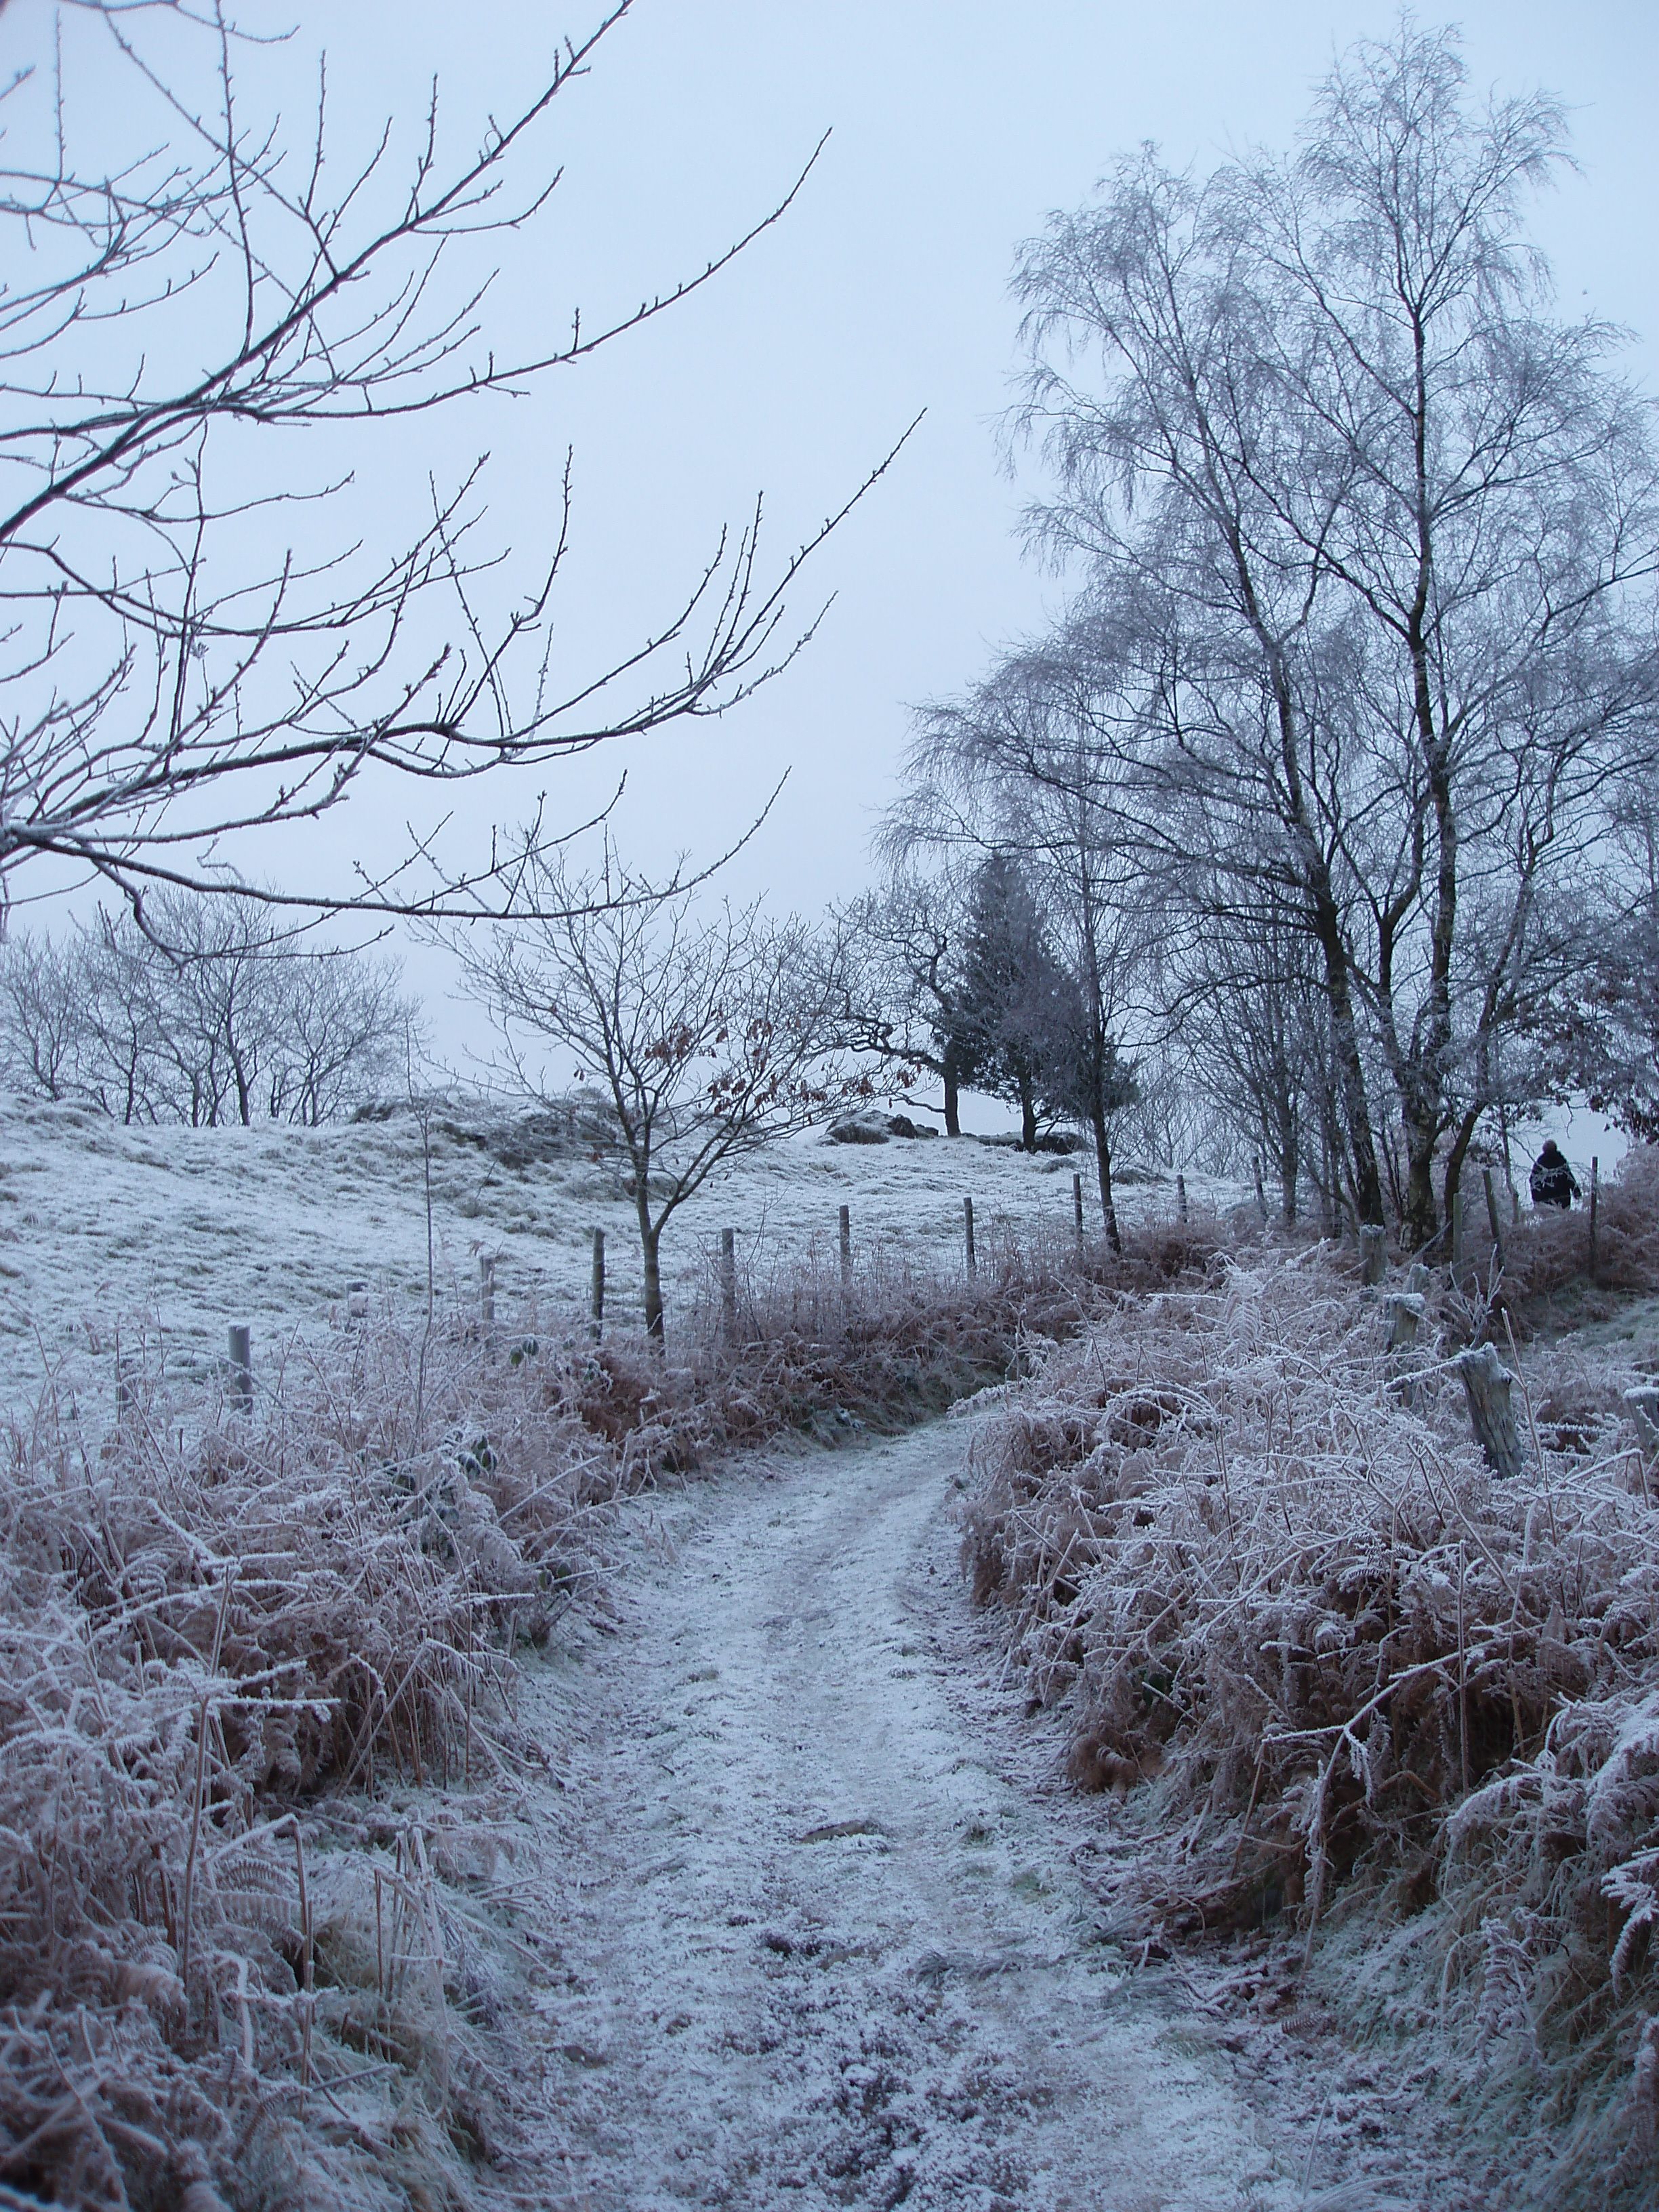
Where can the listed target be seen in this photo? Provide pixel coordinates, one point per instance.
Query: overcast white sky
(957, 125)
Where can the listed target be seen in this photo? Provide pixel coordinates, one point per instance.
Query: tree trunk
(1350, 1067)
(1103, 1164)
(1325, 915)
(1457, 1156)
(1421, 1211)
(952, 1105)
(1289, 1148)
(650, 1241)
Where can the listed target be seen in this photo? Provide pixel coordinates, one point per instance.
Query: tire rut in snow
(819, 1952)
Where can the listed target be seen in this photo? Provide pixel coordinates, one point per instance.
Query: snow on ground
(817, 1948)
(160, 1237)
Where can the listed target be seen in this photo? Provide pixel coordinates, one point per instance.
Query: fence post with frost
(1405, 1309)
(1077, 1215)
(1373, 1254)
(1405, 1312)
(486, 1290)
(968, 1224)
(1181, 1200)
(728, 1283)
(1642, 1403)
(241, 1368)
(1595, 1209)
(596, 1307)
(1487, 1384)
(845, 1229)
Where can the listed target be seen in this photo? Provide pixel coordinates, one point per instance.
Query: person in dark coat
(1554, 1183)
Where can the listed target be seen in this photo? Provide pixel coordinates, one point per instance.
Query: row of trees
(1335, 776)
(212, 1014)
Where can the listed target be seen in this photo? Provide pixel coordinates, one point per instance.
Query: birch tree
(1367, 539)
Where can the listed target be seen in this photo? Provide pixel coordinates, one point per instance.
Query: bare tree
(176, 320)
(347, 1033)
(130, 1063)
(1254, 1045)
(709, 1037)
(44, 1031)
(901, 950)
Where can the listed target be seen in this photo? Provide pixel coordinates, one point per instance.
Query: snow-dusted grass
(1348, 1685)
(160, 1237)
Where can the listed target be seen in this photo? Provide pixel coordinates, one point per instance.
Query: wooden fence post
(1405, 1309)
(1595, 1207)
(845, 1226)
(1077, 1215)
(1373, 1254)
(1642, 1403)
(728, 1283)
(1487, 1384)
(596, 1306)
(1181, 1200)
(967, 1222)
(241, 1368)
(1405, 1312)
(486, 1290)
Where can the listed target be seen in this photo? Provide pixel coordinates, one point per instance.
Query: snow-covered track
(821, 1950)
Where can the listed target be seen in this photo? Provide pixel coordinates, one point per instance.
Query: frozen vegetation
(1382, 1726)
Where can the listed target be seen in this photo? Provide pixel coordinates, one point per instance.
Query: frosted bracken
(1345, 1680)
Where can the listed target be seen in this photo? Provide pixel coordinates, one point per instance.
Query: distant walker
(1554, 1183)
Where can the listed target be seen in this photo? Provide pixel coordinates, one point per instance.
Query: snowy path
(821, 1952)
